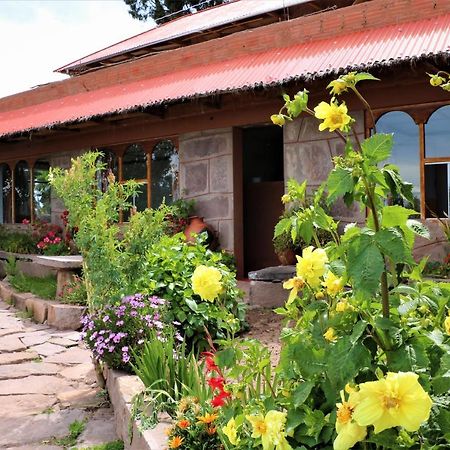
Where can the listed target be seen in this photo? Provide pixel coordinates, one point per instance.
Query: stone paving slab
(47, 381)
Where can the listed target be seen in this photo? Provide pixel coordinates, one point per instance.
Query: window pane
(5, 194)
(41, 191)
(164, 173)
(437, 196)
(437, 134)
(405, 152)
(134, 163)
(109, 160)
(22, 191)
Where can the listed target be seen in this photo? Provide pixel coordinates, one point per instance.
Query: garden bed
(57, 315)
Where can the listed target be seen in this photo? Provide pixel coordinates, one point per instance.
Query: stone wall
(308, 155)
(62, 160)
(206, 175)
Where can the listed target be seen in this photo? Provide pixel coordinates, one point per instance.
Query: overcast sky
(38, 36)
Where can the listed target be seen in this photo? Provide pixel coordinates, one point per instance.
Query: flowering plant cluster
(115, 329)
(216, 381)
(74, 292)
(194, 427)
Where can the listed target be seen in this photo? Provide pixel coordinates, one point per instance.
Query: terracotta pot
(287, 257)
(196, 226)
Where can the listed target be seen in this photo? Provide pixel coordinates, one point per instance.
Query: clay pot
(196, 226)
(287, 257)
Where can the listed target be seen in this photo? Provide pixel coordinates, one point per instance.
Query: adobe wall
(206, 175)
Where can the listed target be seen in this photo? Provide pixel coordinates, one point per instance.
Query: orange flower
(211, 430)
(176, 442)
(207, 418)
(183, 423)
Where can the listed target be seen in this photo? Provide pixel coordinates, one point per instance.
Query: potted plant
(284, 249)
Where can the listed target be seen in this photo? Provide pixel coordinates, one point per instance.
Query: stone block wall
(206, 175)
(308, 155)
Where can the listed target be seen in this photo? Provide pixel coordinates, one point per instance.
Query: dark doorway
(263, 186)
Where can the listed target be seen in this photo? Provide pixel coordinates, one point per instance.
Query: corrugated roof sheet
(383, 45)
(202, 20)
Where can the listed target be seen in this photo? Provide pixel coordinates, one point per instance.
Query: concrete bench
(65, 266)
(266, 286)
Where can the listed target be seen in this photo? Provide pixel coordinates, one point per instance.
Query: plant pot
(196, 226)
(287, 257)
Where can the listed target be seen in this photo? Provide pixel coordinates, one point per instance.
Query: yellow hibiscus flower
(206, 282)
(295, 284)
(311, 265)
(334, 116)
(230, 431)
(343, 306)
(395, 401)
(349, 432)
(447, 324)
(337, 86)
(330, 335)
(286, 198)
(333, 284)
(278, 119)
(270, 429)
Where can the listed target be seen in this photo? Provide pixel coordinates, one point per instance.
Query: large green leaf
(301, 392)
(412, 356)
(391, 243)
(397, 216)
(283, 226)
(378, 147)
(365, 264)
(340, 181)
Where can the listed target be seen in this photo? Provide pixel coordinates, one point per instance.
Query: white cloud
(37, 37)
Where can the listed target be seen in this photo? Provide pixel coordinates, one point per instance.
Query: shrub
(74, 292)
(169, 266)
(115, 329)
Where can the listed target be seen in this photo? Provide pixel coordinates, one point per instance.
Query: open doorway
(262, 188)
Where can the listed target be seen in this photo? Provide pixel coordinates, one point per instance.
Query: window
(5, 194)
(109, 160)
(41, 191)
(164, 172)
(406, 149)
(437, 163)
(22, 192)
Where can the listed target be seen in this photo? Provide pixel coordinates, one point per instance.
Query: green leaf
(340, 181)
(283, 226)
(365, 264)
(378, 147)
(391, 243)
(412, 356)
(226, 357)
(418, 228)
(365, 76)
(192, 304)
(301, 392)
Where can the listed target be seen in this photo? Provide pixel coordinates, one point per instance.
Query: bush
(74, 292)
(167, 273)
(17, 241)
(115, 329)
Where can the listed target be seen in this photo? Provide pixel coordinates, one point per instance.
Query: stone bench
(65, 266)
(266, 286)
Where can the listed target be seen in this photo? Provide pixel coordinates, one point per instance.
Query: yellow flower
(337, 86)
(319, 295)
(332, 283)
(230, 431)
(176, 442)
(207, 418)
(395, 401)
(447, 324)
(334, 116)
(436, 80)
(278, 119)
(296, 284)
(206, 282)
(349, 432)
(311, 265)
(270, 429)
(330, 335)
(286, 198)
(343, 306)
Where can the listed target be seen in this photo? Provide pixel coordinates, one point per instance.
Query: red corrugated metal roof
(202, 20)
(362, 49)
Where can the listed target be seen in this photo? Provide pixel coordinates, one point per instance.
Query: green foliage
(169, 373)
(113, 445)
(167, 272)
(17, 241)
(75, 429)
(74, 292)
(43, 287)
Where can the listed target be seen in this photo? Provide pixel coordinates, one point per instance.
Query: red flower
(219, 399)
(216, 383)
(25, 221)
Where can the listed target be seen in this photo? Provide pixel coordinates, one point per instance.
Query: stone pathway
(47, 381)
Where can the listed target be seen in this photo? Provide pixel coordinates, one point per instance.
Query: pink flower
(57, 240)
(25, 221)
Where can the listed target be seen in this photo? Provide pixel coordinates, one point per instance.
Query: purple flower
(106, 319)
(125, 357)
(125, 349)
(119, 323)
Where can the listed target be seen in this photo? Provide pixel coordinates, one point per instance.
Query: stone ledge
(60, 316)
(122, 387)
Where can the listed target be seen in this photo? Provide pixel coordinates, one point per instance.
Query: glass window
(22, 191)
(164, 173)
(405, 152)
(41, 191)
(5, 194)
(134, 163)
(437, 134)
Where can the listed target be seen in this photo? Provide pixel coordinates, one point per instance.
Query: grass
(75, 429)
(24, 314)
(115, 445)
(44, 287)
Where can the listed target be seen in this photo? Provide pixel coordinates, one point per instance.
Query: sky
(39, 36)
